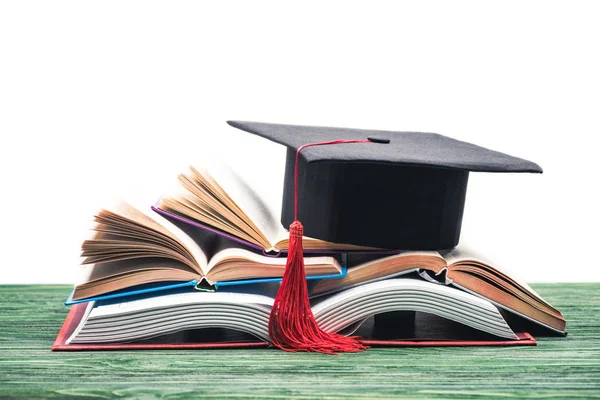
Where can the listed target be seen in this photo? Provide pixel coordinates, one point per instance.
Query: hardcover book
(141, 323)
(221, 202)
(130, 248)
(458, 268)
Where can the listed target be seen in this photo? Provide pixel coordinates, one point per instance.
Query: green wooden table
(30, 317)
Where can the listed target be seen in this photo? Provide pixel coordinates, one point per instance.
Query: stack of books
(199, 261)
(201, 268)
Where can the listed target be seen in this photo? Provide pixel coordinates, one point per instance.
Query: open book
(130, 248)
(458, 268)
(149, 317)
(222, 200)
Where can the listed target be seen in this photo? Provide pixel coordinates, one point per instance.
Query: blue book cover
(167, 287)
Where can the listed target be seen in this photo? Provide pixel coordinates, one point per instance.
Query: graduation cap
(396, 190)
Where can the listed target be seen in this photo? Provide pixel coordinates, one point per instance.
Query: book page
(152, 274)
(178, 299)
(189, 204)
(262, 213)
(123, 231)
(236, 263)
(308, 243)
(194, 248)
(382, 268)
(339, 311)
(150, 316)
(102, 271)
(457, 256)
(82, 321)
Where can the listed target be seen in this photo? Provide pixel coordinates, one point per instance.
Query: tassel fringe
(292, 325)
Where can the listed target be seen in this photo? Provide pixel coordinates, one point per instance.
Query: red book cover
(77, 311)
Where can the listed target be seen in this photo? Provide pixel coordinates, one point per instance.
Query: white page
(354, 304)
(176, 299)
(240, 311)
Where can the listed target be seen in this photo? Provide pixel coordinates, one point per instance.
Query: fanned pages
(131, 248)
(155, 316)
(459, 268)
(124, 232)
(220, 199)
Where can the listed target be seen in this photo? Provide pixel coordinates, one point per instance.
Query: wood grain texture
(30, 317)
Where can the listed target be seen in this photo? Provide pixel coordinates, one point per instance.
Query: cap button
(378, 139)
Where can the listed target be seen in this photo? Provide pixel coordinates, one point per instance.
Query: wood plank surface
(30, 317)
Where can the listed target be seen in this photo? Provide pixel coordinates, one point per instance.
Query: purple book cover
(197, 224)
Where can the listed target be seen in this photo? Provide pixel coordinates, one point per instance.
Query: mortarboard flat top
(405, 193)
(405, 148)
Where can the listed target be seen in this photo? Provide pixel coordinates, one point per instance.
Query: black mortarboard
(401, 190)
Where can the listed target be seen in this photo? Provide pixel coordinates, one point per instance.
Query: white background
(115, 98)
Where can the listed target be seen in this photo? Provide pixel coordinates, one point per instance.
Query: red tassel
(292, 325)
